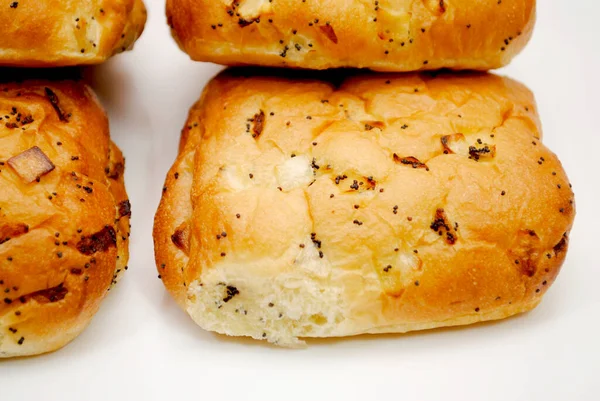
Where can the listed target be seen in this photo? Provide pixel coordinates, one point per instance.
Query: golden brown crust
(383, 203)
(404, 35)
(64, 237)
(53, 33)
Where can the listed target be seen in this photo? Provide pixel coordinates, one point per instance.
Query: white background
(140, 346)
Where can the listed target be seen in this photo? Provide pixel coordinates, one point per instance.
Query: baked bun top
(64, 213)
(399, 35)
(51, 33)
(372, 203)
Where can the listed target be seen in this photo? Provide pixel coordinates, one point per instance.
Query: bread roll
(64, 214)
(376, 204)
(50, 33)
(400, 35)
